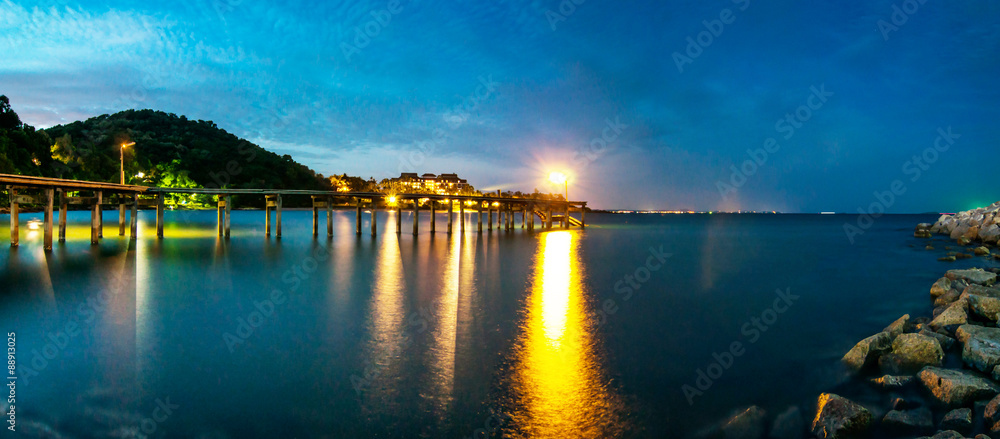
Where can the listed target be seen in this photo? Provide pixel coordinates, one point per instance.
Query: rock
(947, 434)
(747, 424)
(867, 351)
(963, 240)
(945, 341)
(981, 348)
(938, 310)
(838, 417)
(954, 387)
(923, 226)
(980, 290)
(909, 421)
(982, 436)
(947, 298)
(972, 233)
(898, 327)
(941, 286)
(992, 410)
(959, 420)
(947, 259)
(922, 234)
(959, 231)
(983, 306)
(963, 256)
(789, 424)
(955, 315)
(973, 275)
(900, 403)
(981, 251)
(929, 247)
(892, 381)
(990, 233)
(910, 353)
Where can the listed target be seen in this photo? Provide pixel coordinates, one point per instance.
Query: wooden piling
(433, 214)
(489, 216)
(583, 216)
(461, 217)
(277, 216)
(548, 217)
(374, 227)
(566, 217)
(229, 209)
(47, 240)
(479, 221)
(329, 217)
(220, 212)
(121, 215)
(93, 222)
(267, 215)
(451, 216)
(134, 220)
(416, 215)
(14, 235)
(63, 209)
(159, 216)
(315, 217)
(399, 219)
(100, 215)
(531, 216)
(358, 221)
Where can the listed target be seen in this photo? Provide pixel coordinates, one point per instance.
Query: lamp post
(122, 155)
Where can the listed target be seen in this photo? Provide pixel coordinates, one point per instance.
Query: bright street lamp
(560, 178)
(122, 155)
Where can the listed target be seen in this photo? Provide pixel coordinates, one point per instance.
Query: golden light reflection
(559, 387)
(445, 317)
(387, 319)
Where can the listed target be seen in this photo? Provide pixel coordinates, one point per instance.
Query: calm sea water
(503, 334)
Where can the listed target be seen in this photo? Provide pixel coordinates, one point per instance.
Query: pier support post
(277, 216)
(566, 217)
(267, 215)
(63, 208)
(358, 220)
(531, 216)
(451, 215)
(159, 216)
(524, 213)
(93, 221)
(14, 235)
(548, 217)
(315, 218)
(47, 243)
(100, 215)
(220, 212)
(399, 219)
(489, 216)
(416, 215)
(229, 209)
(583, 216)
(121, 215)
(134, 220)
(433, 214)
(479, 221)
(461, 217)
(374, 227)
(329, 217)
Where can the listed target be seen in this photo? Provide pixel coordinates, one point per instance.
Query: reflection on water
(387, 318)
(558, 382)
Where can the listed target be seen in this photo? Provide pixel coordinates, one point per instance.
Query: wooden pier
(43, 191)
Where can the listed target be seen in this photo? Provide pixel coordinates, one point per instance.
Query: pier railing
(42, 191)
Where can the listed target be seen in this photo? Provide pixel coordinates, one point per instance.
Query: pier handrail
(46, 182)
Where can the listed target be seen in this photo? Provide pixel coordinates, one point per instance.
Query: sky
(794, 106)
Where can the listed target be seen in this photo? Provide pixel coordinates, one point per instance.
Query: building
(438, 184)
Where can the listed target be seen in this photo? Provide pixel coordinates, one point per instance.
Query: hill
(169, 150)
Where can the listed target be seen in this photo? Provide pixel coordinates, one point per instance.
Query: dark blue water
(503, 334)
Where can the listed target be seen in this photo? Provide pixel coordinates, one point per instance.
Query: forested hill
(169, 150)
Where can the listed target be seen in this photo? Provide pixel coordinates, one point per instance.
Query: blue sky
(412, 94)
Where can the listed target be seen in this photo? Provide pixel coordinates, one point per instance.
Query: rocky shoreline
(935, 376)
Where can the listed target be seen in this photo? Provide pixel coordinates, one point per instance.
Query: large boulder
(947, 298)
(909, 421)
(945, 341)
(898, 327)
(981, 346)
(973, 276)
(840, 418)
(959, 420)
(990, 233)
(984, 306)
(940, 287)
(960, 229)
(910, 353)
(954, 387)
(867, 351)
(748, 423)
(892, 381)
(955, 315)
(992, 411)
